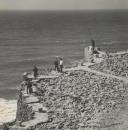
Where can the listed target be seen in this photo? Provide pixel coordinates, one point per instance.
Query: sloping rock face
(82, 100)
(29, 111)
(76, 100)
(24, 111)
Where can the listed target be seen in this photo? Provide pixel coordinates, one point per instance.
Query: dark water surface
(35, 37)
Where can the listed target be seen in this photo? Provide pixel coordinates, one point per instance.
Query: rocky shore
(79, 99)
(115, 65)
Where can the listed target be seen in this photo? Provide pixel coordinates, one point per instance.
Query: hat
(25, 73)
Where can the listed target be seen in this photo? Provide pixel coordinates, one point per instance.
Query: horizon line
(63, 9)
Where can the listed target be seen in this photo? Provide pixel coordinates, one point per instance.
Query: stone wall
(24, 111)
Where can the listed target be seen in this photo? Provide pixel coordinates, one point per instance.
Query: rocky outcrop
(81, 100)
(76, 100)
(24, 111)
(29, 111)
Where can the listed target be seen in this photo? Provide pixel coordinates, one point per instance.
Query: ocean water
(30, 38)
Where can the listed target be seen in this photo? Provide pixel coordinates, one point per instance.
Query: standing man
(93, 45)
(29, 87)
(61, 65)
(56, 64)
(35, 72)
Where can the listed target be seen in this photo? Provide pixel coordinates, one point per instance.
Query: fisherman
(93, 45)
(35, 72)
(56, 64)
(25, 76)
(25, 80)
(29, 87)
(61, 64)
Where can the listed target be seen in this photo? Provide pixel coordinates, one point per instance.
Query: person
(93, 45)
(25, 80)
(35, 72)
(25, 76)
(29, 87)
(61, 65)
(56, 64)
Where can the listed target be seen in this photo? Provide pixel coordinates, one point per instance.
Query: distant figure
(61, 65)
(56, 64)
(35, 72)
(93, 44)
(25, 80)
(29, 87)
(25, 76)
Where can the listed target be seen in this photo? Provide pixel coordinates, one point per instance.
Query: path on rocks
(86, 68)
(122, 115)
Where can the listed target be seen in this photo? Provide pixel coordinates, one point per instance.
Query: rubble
(116, 65)
(80, 100)
(76, 99)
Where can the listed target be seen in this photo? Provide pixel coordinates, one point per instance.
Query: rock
(67, 98)
(31, 99)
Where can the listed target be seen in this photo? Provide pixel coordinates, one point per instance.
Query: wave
(7, 110)
(108, 43)
(29, 59)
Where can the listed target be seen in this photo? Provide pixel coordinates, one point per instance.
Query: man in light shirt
(61, 65)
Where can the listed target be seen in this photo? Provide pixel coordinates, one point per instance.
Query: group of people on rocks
(28, 81)
(58, 63)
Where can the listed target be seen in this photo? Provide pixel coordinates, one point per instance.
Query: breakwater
(78, 99)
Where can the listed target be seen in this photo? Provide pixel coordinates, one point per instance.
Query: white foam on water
(7, 110)
(108, 43)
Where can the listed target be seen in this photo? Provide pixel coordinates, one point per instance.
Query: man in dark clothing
(35, 71)
(29, 87)
(56, 64)
(93, 45)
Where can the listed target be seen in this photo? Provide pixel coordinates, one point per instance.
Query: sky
(62, 4)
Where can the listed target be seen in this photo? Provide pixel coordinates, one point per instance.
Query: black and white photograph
(63, 64)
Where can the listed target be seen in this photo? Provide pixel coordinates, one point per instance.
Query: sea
(30, 38)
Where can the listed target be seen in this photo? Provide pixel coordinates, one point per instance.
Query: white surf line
(8, 110)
